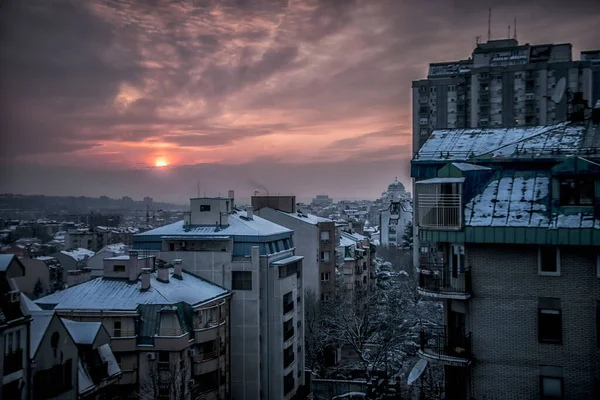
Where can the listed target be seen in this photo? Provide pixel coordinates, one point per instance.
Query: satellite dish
(559, 90)
(417, 371)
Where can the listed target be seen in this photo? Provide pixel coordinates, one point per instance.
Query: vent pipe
(178, 268)
(145, 279)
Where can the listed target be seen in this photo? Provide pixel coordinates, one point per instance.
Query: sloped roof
(527, 142)
(82, 332)
(5, 260)
(39, 323)
(308, 218)
(119, 294)
(78, 254)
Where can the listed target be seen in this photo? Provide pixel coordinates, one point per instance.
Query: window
(325, 257)
(289, 270)
(54, 339)
(551, 382)
(576, 191)
(457, 261)
(324, 277)
(204, 207)
(325, 236)
(549, 261)
(549, 320)
(118, 268)
(116, 328)
(241, 280)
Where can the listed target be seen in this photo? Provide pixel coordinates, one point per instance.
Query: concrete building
(14, 333)
(314, 239)
(354, 261)
(321, 200)
(503, 84)
(96, 262)
(255, 259)
(394, 214)
(593, 57)
(169, 329)
(508, 238)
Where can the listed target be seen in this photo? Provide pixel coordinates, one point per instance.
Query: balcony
(438, 343)
(438, 280)
(288, 334)
(288, 359)
(13, 362)
(439, 203)
(288, 307)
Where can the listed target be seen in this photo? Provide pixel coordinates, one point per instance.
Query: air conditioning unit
(14, 296)
(151, 356)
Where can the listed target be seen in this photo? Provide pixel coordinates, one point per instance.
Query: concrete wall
(502, 316)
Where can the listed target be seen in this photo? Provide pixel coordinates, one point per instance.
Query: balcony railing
(288, 360)
(13, 362)
(446, 345)
(436, 210)
(208, 355)
(287, 335)
(288, 307)
(439, 280)
(122, 333)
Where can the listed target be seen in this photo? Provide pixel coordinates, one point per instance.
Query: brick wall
(502, 316)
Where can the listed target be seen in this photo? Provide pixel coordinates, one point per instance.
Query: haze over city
(300, 97)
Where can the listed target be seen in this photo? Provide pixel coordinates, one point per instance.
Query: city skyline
(141, 98)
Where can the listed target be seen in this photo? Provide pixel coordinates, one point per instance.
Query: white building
(395, 214)
(255, 259)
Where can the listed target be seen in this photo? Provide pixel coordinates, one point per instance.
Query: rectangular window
(325, 236)
(288, 270)
(551, 382)
(241, 280)
(117, 328)
(576, 191)
(324, 277)
(204, 207)
(288, 383)
(457, 260)
(118, 268)
(549, 261)
(163, 356)
(549, 320)
(325, 257)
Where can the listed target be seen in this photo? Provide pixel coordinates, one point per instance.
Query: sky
(281, 96)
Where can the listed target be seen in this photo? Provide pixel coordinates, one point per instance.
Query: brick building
(508, 232)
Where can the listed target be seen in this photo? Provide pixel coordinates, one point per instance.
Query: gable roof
(40, 320)
(5, 260)
(82, 332)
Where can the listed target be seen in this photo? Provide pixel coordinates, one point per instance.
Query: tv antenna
(489, 24)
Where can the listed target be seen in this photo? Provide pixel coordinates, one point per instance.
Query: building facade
(169, 329)
(394, 215)
(593, 57)
(255, 259)
(508, 237)
(503, 84)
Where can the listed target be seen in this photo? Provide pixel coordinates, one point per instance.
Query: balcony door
(456, 329)
(457, 260)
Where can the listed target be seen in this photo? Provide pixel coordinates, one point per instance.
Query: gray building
(255, 259)
(593, 57)
(502, 84)
(508, 238)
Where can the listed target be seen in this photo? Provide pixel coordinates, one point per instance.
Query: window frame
(578, 183)
(547, 306)
(554, 373)
(244, 282)
(325, 275)
(119, 329)
(119, 268)
(547, 273)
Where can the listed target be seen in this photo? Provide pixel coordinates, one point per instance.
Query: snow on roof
(84, 383)
(308, 218)
(82, 332)
(39, 323)
(257, 226)
(470, 167)
(356, 237)
(108, 357)
(78, 254)
(461, 144)
(125, 257)
(115, 248)
(346, 241)
(28, 304)
(287, 260)
(441, 180)
(117, 294)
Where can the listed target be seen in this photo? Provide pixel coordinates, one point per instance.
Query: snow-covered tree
(407, 237)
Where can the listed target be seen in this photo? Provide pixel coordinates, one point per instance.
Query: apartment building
(354, 261)
(508, 237)
(593, 57)
(314, 239)
(502, 84)
(255, 259)
(169, 329)
(394, 214)
(14, 333)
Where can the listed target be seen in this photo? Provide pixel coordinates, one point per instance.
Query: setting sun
(161, 163)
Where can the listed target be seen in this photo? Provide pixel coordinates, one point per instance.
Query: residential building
(169, 329)
(593, 57)
(254, 258)
(314, 239)
(14, 332)
(508, 237)
(321, 200)
(354, 261)
(394, 215)
(74, 258)
(502, 84)
(96, 262)
(42, 275)
(70, 359)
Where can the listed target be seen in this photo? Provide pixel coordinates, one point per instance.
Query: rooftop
(82, 332)
(5, 260)
(116, 294)
(308, 218)
(78, 254)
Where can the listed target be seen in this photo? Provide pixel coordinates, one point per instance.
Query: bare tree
(319, 337)
(167, 380)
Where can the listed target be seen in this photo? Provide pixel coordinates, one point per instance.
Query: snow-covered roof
(108, 357)
(239, 225)
(357, 237)
(44, 258)
(78, 254)
(308, 218)
(117, 294)
(287, 260)
(82, 332)
(441, 180)
(115, 248)
(462, 144)
(125, 257)
(470, 167)
(346, 241)
(39, 323)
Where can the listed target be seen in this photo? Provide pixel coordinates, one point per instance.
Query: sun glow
(160, 163)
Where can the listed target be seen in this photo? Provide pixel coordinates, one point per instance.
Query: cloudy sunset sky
(296, 96)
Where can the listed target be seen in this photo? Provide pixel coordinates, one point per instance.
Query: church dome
(396, 187)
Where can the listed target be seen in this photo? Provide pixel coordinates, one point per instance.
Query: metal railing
(441, 341)
(122, 333)
(440, 278)
(438, 210)
(288, 360)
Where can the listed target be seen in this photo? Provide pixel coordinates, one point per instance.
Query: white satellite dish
(417, 371)
(559, 90)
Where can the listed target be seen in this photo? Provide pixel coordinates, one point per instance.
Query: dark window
(118, 268)
(163, 356)
(551, 382)
(288, 383)
(598, 322)
(288, 329)
(548, 260)
(208, 381)
(171, 246)
(288, 302)
(241, 280)
(163, 392)
(54, 339)
(576, 191)
(117, 329)
(288, 270)
(549, 320)
(205, 207)
(288, 356)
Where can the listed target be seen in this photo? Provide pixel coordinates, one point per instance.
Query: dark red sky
(300, 97)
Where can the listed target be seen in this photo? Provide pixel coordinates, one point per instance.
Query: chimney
(145, 279)
(177, 273)
(163, 274)
(231, 195)
(133, 262)
(596, 113)
(74, 277)
(250, 212)
(86, 274)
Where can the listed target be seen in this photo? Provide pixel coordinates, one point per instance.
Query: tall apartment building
(593, 57)
(169, 329)
(314, 239)
(394, 214)
(509, 238)
(255, 259)
(354, 262)
(14, 333)
(502, 84)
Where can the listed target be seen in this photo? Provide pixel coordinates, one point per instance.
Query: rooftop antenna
(489, 24)
(515, 29)
(508, 34)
